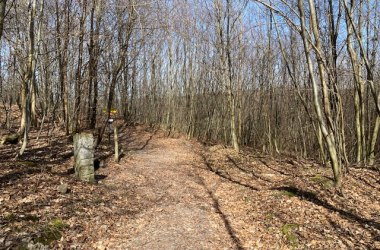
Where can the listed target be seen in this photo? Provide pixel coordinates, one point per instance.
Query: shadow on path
(230, 230)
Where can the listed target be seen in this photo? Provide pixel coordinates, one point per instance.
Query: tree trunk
(28, 76)
(3, 4)
(78, 74)
(326, 130)
(62, 59)
(223, 47)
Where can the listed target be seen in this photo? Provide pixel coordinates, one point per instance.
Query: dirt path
(170, 204)
(181, 195)
(177, 194)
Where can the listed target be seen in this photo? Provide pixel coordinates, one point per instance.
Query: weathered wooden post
(84, 157)
(116, 140)
(110, 121)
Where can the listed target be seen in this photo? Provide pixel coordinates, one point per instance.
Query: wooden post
(117, 153)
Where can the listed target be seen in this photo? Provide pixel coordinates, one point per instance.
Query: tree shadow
(346, 235)
(57, 153)
(131, 143)
(8, 179)
(47, 156)
(8, 152)
(70, 171)
(366, 182)
(99, 177)
(312, 197)
(227, 224)
(226, 176)
(149, 139)
(274, 169)
(252, 173)
(147, 142)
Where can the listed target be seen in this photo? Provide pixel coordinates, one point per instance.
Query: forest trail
(171, 204)
(180, 194)
(175, 193)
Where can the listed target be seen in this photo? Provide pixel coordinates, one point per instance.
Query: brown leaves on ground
(175, 193)
(275, 203)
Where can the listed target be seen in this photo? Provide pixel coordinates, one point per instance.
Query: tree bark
(28, 77)
(3, 4)
(325, 129)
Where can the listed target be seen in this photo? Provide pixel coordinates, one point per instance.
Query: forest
(215, 124)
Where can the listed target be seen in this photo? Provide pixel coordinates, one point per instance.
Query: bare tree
(3, 4)
(278, 76)
(124, 36)
(27, 79)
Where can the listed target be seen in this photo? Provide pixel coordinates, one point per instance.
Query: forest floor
(174, 193)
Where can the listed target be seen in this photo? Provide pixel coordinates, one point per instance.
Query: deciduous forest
(189, 124)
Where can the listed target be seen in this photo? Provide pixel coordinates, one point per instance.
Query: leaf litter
(174, 193)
